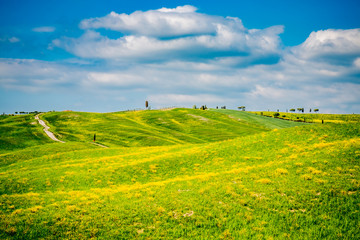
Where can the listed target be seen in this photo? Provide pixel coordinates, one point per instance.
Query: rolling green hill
(18, 132)
(243, 181)
(271, 123)
(150, 128)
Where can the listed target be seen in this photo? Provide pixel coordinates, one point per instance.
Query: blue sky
(104, 56)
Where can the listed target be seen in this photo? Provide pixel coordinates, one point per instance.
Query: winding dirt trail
(52, 136)
(46, 129)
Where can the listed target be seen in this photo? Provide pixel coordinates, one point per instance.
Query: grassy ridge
(271, 123)
(149, 128)
(18, 132)
(298, 183)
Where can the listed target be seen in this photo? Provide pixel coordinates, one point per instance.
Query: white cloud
(248, 45)
(14, 40)
(186, 100)
(44, 29)
(183, 20)
(10, 39)
(93, 45)
(178, 83)
(179, 9)
(115, 79)
(190, 35)
(335, 97)
(357, 62)
(332, 45)
(34, 75)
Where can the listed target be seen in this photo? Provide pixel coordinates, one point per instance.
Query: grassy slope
(315, 117)
(271, 123)
(18, 132)
(149, 128)
(297, 183)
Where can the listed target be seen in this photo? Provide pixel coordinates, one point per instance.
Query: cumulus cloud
(164, 22)
(193, 35)
(332, 45)
(44, 29)
(167, 34)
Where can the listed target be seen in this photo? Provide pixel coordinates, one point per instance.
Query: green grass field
(271, 123)
(314, 117)
(149, 128)
(18, 132)
(180, 174)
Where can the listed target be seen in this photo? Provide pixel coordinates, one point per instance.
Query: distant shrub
(300, 109)
(276, 114)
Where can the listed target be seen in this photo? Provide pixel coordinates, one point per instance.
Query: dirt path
(100, 145)
(46, 129)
